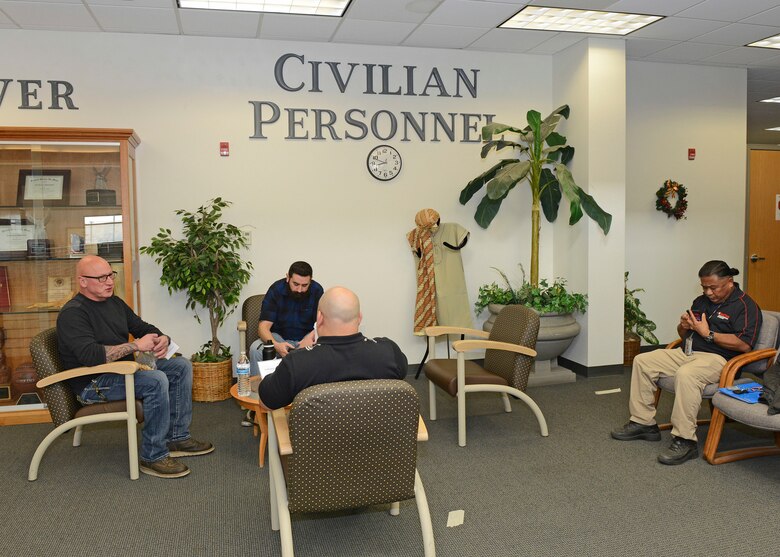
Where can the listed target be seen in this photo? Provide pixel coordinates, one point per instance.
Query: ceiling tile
(219, 23)
(639, 48)
(511, 40)
(300, 27)
(677, 28)
(373, 32)
(728, 10)
(5, 22)
(135, 3)
(136, 20)
(738, 34)
(43, 15)
(773, 62)
(763, 74)
(560, 41)
(390, 10)
(444, 36)
(657, 7)
(742, 55)
(687, 52)
(769, 17)
(470, 13)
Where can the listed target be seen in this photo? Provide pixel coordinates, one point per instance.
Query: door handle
(755, 257)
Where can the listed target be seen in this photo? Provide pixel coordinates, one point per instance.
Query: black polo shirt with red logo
(737, 315)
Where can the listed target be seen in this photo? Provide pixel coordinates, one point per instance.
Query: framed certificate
(49, 187)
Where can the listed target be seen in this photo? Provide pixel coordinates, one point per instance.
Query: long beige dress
(452, 300)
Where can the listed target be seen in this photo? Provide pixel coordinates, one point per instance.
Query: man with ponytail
(722, 323)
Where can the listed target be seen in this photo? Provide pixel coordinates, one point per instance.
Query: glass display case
(64, 193)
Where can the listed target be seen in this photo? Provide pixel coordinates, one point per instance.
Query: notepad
(268, 366)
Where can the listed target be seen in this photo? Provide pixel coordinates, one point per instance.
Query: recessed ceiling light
(578, 21)
(769, 42)
(334, 8)
(772, 100)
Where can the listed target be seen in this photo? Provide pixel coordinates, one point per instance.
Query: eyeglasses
(102, 278)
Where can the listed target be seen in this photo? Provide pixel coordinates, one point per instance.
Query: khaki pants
(691, 374)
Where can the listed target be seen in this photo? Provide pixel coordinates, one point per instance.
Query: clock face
(384, 162)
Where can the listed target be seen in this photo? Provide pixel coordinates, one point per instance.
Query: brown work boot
(164, 468)
(189, 447)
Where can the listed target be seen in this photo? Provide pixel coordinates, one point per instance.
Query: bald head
(88, 269)
(338, 313)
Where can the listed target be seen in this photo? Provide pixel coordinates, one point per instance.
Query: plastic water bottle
(242, 374)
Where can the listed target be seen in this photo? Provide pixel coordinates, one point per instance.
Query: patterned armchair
(250, 318)
(66, 411)
(347, 445)
(509, 358)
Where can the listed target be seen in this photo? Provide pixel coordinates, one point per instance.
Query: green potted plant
(539, 155)
(555, 305)
(636, 325)
(206, 265)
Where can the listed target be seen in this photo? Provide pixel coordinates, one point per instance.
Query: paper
(268, 366)
(607, 391)
(455, 518)
(172, 349)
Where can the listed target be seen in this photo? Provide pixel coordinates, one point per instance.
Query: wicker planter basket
(631, 345)
(211, 381)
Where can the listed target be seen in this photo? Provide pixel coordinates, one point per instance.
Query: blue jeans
(166, 396)
(256, 352)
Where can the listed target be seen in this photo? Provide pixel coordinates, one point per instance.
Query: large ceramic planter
(556, 333)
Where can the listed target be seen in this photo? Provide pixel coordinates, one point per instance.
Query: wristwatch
(710, 337)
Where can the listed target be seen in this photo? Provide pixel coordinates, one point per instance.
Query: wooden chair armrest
(674, 344)
(422, 431)
(737, 362)
(282, 431)
(469, 345)
(120, 368)
(438, 330)
(241, 326)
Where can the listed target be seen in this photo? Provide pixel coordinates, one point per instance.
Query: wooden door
(763, 244)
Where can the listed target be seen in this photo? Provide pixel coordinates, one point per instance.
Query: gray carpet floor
(576, 492)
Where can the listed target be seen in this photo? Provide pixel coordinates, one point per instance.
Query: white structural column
(591, 78)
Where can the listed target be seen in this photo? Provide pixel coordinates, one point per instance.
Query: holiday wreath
(668, 191)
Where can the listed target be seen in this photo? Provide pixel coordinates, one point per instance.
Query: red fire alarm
(224, 149)
(691, 154)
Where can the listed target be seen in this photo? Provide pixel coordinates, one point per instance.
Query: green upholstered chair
(347, 445)
(509, 358)
(66, 411)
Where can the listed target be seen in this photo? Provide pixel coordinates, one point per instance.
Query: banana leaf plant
(540, 156)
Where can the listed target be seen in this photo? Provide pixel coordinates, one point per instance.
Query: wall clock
(384, 162)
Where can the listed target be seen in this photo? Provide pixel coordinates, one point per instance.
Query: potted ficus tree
(636, 325)
(206, 265)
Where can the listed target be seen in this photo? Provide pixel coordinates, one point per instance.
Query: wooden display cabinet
(64, 193)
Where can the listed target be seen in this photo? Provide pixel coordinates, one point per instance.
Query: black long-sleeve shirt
(85, 327)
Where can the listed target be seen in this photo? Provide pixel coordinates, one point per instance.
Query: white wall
(311, 200)
(672, 108)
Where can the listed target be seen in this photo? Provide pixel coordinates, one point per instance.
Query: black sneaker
(249, 419)
(189, 447)
(633, 430)
(164, 468)
(681, 450)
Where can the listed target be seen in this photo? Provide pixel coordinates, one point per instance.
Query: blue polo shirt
(292, 319)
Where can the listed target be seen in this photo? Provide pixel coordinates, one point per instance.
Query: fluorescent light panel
(773, 129)
(769, 42)
(578, 21)
(334, 8)
(772, 100)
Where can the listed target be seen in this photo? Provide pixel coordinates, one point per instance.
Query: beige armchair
(66, 411)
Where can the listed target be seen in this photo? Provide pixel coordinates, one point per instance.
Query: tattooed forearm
(113, 353)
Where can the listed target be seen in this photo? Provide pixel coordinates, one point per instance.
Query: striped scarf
(421, 241)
